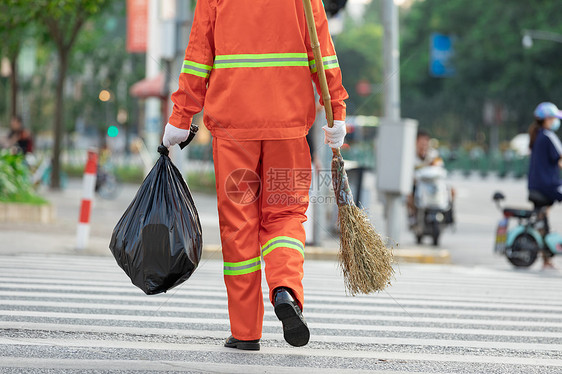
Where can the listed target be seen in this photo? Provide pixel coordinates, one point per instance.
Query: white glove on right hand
(334, 136)
(173, 135)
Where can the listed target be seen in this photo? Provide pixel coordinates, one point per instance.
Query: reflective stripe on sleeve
(194, 68)
(282, 242)
(243, 267)
(260, 60)
(330, 62)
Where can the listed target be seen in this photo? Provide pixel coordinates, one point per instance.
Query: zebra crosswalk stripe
(427, 321)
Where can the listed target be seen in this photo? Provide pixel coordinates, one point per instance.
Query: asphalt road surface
(81, 314)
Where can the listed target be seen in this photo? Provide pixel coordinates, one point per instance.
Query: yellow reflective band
(282, 242)
(330, 62)
(258, 56)
(260, 60)
(195, 68)
(243, 267)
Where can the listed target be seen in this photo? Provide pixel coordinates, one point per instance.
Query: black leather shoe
(295, 330)
(247, 345)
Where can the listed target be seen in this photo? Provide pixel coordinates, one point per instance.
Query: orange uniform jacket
(249, 63)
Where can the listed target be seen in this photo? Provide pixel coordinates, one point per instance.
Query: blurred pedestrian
(425, 156)
(19, 138)
(250, 63)
(546, 157)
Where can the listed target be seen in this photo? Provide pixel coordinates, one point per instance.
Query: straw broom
(364, 258)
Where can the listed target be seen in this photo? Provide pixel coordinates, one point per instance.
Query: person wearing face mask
(546, 156)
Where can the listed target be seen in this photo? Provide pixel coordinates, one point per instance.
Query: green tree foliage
(359, 53)
(359, 49)
(101, 62)
(62, 20)
(491, 64)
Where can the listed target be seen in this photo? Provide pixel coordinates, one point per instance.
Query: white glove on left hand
(173, 135)
(334, 136)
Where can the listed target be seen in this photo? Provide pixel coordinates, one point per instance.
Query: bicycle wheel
(524, 250)
(109, 188)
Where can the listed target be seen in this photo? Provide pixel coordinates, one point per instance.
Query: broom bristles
(364, 258)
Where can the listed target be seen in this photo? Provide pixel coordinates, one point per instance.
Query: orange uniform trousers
(262, 194)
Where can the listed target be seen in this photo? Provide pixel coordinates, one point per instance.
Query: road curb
(421, 256)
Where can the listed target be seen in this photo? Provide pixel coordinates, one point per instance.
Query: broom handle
(315, 44)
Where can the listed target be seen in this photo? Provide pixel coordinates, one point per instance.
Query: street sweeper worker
(250, 65)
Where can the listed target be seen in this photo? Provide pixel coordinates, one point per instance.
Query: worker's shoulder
(264, 8)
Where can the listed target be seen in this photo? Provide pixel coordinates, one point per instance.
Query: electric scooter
(522, 243)
(434, 203)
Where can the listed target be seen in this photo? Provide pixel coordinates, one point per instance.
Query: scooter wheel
(435, 238)
(524, 251)
(435, 232)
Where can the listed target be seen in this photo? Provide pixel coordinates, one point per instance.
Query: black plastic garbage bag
(157, 241)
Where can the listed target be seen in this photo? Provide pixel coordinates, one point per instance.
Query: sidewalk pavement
(59, 236)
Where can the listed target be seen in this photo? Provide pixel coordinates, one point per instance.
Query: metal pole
(393, 199)
(391, 61)
(152, 128)
(88, 189)
(174, 19)
(319, 208)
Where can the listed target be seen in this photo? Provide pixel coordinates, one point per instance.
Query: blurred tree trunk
(59, 114)
(12, 49)
(12, 33)
(13, 58)
(58, 30)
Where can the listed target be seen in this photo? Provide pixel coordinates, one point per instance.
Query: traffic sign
(440, 55)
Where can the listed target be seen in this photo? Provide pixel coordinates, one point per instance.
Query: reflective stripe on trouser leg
(284, 258)
(286, 174)
(239, 226)
(282, 242)
(242, 267)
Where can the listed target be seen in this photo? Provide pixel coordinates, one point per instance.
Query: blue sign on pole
(440, 55)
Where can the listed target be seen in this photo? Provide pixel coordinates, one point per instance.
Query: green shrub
(198, 181)
(130, 174)
(124, 174)
(201, 181)
(74, 171)
(15, 181)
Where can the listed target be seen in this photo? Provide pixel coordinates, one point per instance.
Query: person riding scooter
(546, 159)
(425, 156)
(430, 204)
